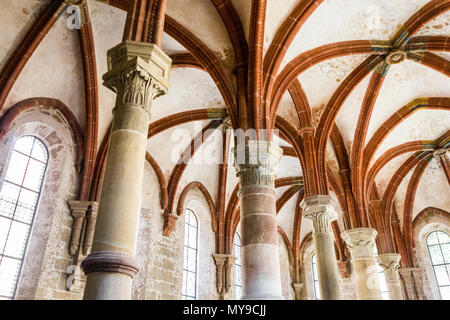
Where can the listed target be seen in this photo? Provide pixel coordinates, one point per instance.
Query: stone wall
(47, 259)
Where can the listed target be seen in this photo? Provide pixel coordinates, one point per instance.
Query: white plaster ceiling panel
(404, 83)
(167, 146)
(399, 198)
(244, 8)
(287, 110)
(421, 125)
(348, 115)
(305, 228)
(384, 175)
(286, 216)
(276, 12)
(15, 23)
(202, 19)
(433, 189)
(331, 157)
(54, 71)
(342, 20)
(281, 142)
(279, 191)
(106, 20)
(190, 89)
(340, 219)
(171, 46)
(437, 26)
(289, 167)
(321, 81)
(207, 174)
(442, 54)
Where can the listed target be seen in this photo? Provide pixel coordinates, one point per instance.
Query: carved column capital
(138, 73)
(390, 262)
(256, 163)
(321, 210)
(360, 242)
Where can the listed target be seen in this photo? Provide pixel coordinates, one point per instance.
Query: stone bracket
(224, 265)
(85, 216)
(169, 223)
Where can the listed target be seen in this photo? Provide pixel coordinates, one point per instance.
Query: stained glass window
(19, 196)
(315, 277)
(438, 243)
(189, 290)
(237, 265)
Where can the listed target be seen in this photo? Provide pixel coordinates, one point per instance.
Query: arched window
(315, 277)
(237, 265)
(189, 291)
(438, 243)
(19, 197)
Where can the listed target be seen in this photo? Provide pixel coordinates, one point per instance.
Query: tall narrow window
(19, 196)
(315, 277)
(237, 266)
(189, 291)
(438, 243)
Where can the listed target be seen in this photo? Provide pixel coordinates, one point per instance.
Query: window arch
(238, 266)
(19, 196)
(438, 244)
(189, 290)
(315, 277)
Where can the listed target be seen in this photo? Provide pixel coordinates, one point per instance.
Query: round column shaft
(320, 210)
(256, 163)
(361, 244)
(390, 262)
(111, 265)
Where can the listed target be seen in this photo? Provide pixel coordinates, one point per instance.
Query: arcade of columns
(139, 72)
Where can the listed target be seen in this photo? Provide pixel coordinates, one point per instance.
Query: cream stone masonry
(256, 163)
(413, 282)
(320, 209)
(361, 244)
(390, 262)
(138, 73)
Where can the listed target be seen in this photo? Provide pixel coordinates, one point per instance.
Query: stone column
(390, 263)
(138, 73)
(361, 244)
(321, 210)
(256, 163)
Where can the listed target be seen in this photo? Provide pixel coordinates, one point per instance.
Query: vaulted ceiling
(316, 53)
